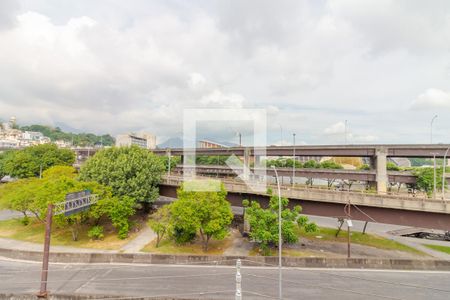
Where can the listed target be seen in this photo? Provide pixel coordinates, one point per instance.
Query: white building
(143, 140)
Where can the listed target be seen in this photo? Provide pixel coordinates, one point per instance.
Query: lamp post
(280, 295)
(434, 175)
(431, 128)
(293, 161)
(444, 181)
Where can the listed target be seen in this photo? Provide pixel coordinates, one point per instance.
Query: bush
(25, 220)
(96, 233)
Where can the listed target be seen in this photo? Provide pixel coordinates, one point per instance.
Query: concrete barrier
(303, 262)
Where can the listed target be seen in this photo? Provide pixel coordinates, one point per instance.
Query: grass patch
(34, 232)
(440, 248)
(3, 203)
(285, 252)
(372, 240)
(167, 246)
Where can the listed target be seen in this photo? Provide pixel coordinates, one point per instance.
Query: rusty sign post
(75, 202)
(44, 273)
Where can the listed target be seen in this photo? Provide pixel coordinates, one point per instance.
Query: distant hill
(172, 143)
(79, 139)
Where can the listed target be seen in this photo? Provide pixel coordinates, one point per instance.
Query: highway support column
(380, 164)
(246, 170)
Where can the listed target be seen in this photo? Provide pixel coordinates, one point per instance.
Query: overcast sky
(116, 66)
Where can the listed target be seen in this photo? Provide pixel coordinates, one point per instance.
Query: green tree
(160, 223)
(29, 161)
(207, 212)
(264, 222)
(130, 171)
(425, 179)
(34, 194)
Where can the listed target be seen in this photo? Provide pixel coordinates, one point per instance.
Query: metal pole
(240, 139)
(44, 275)
(238, 280)
(444, 179)
(280, 293)
(348, 240)
(293, 163)
(431, 128)
(434, 176)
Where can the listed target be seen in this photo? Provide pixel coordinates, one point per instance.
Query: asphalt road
(206, 282)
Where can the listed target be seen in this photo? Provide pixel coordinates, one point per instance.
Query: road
(209, 282)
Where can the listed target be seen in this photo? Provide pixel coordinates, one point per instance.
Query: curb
(301, 262)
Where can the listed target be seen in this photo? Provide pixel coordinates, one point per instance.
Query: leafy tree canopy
(208, 213)
(129, 171)
(264, 222)
(29, 161)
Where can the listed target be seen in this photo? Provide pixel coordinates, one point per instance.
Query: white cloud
(432, 99)
(337, 128)
(116, 67)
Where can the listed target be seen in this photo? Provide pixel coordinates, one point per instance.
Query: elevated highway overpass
(378, 155)
(326, 174)
(390, 209)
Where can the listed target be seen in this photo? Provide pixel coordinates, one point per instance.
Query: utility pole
(293, 161)
(431, 128)
(434, 175)
(44, 274)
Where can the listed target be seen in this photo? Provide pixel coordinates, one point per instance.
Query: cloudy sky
(116, 66)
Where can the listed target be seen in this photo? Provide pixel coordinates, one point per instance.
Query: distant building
(212, 144)
(143, 140)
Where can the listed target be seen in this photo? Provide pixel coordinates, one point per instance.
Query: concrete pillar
(246, 170)
(380, 163)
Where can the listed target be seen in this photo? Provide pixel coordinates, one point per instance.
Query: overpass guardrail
(343, 197)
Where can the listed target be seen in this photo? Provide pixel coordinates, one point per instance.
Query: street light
(434, 175)
(293, 161)
(431, 128)
(444, 181)
(280, 295)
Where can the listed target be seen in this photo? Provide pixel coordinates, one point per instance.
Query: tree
(264, 222)
(160, 223)
(30, 161)
(34, 194)
(425, 179)
(207, 212)
(130, 172)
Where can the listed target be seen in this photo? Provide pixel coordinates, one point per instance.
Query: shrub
(96, 233)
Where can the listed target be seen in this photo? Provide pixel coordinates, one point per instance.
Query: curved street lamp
(431, 128)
